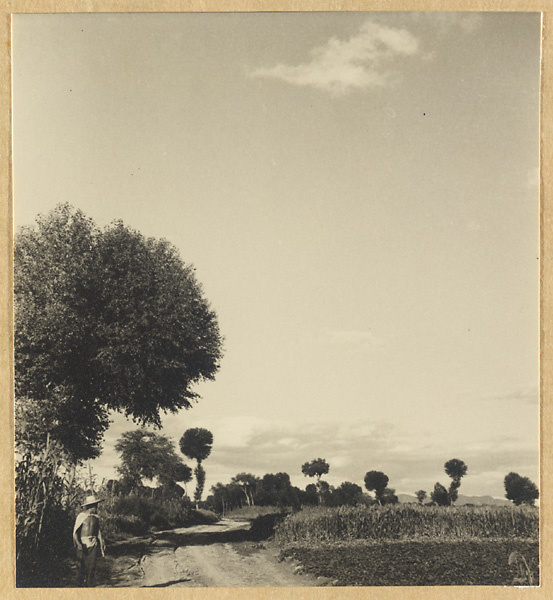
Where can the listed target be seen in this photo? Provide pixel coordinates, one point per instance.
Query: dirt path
(219, 555)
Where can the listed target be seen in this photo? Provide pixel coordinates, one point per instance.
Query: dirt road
(218, 555)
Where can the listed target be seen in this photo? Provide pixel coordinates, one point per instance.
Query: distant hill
(476, 500)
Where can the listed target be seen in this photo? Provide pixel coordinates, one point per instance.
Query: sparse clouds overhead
(339, 66)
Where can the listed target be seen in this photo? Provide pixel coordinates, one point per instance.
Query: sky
(359, 194)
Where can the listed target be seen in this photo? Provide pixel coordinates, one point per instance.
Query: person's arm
(77, 538)
(102, 544)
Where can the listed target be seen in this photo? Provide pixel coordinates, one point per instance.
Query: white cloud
(357, 63)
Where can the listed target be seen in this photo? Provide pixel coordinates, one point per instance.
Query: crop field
(415, 545)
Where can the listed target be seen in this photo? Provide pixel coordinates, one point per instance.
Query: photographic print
(276, 299)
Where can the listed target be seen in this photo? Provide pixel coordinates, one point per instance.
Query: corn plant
(401, 522)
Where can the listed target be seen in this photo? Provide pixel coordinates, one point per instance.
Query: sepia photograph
(276, 297)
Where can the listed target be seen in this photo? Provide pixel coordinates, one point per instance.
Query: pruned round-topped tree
(196, 443)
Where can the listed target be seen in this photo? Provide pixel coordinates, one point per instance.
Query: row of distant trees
(518, 489)
(246, 489)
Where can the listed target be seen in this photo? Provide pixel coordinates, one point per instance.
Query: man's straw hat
(90, 500)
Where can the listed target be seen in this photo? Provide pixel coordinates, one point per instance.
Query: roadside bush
(263, 527)
(137, 514)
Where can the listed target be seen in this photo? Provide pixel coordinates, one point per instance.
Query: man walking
(88, 540)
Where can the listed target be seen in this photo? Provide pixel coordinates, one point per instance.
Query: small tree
(440, 495)
(316, 468)
(389, 496)
(456, 469)
(421, 496)
(376, 481)
(521, 490)
(196, 443)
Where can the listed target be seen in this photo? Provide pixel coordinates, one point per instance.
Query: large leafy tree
(376, 481)
(196, 443)
(148, 455)
(521, 490)
(105, 319)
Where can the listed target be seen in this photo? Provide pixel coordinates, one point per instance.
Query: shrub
(263, 527)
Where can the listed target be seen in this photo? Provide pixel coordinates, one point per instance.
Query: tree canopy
(105, 319)
(440, 495)
(148, 455)
(315, 468)
(376, 481)
(196, 443)
(521, 490)
(456, 469)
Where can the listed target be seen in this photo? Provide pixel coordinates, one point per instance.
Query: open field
(414, 545)
(431, 562)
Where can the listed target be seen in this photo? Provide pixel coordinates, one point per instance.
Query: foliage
(521, 490)
(440, 495)
(346, 494)
(199, 473)
(316, 468)
(147, 455)
(196, 443)
(376, 481)
(407, 521)
(45, 493)
(248, 513)
(147, 509)
(224, 498)
(248, 484)
(275, 489)
(263, 526)
(104, 320)
(311, 495)
(389, 496)
(456, 469)
(421, 496)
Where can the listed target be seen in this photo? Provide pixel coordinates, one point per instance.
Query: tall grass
(401, 522)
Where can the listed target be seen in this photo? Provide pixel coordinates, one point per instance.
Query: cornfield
(407, 522)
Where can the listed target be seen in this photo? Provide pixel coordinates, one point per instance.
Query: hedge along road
(218, 555)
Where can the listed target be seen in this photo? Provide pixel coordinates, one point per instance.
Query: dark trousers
(87, 569)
